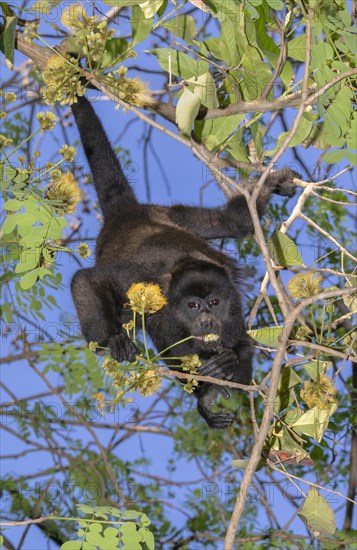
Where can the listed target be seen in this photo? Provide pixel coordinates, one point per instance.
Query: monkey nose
(206, 323)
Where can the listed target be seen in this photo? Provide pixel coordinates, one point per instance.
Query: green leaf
(183, 26)
(84, 507)
(13, 204)
(151, 7)
(297, 47)
(131, 514)
(181, 64)
(26, 266)
(9, 224)
(116, 49)
(34, 235)
(29, 279)
(283, 250)
(240, 463)
(216, 131)
(205, 88)
(351, 156)
(123, 3)
(7, 38)
(44, 7)
(276, 4)
(148, 538)
(186, 110)
(313, 367)
(333, 157)
(140, 25)
(54, 229)
(267, 336)
(72, 545)
(315, 421)
(288, 379)
(317, 514)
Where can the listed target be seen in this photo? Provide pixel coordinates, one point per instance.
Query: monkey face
(204, 318)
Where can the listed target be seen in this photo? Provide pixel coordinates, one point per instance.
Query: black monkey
(166, 245)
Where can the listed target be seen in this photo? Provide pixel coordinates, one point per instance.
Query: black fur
(165, 245)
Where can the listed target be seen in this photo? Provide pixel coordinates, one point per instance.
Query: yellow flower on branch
(47, 120)
(146, 298)
(304, 285)
(83, 250)
(68, 152)
(190, 363)
(65, 190)
(62, 79)
(72, 17)
(149, 383)
(319, 393)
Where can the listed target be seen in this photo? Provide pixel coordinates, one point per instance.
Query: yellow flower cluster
(101, 402)
(83, 250)
(91, 33)
(146, 298)
(66, 191)
(148, 383)
(319, 393)
(31, 31)
(75, 17)
(62, 79)
(210, 338)
(93, 346)
(47, 120)
(130, 90)
(10, 97)
(5, 141)
(304, 285)
(68, 152)
(190, 363)
(190, 386)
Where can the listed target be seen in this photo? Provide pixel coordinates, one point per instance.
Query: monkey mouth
(211, 340)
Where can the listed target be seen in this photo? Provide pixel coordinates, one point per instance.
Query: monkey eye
(193, 305)
(214, 302)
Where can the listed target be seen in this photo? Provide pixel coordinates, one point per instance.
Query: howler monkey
(167, 245)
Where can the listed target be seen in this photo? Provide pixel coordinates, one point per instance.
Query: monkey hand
(217, 419)
(223, 365)
(282, 182)
(122, 348)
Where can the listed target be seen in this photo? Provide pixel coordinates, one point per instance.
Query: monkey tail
(111, 185)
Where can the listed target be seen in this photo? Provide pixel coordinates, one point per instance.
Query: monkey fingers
(222, 365)
(122, 348)
(282, 182)
(206, 400)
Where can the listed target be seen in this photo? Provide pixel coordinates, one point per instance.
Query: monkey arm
(234, 365)
(232, 220)
(99, 301)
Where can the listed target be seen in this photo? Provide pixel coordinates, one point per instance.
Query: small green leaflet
(179, 63)
(267, 336)
(140, 25)
(151, 7)
(183, 26)
(317, 514)
(205, 88)
(7, 38)
(315, 421)
(186, 110)
(283, 250)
